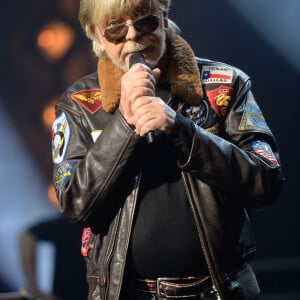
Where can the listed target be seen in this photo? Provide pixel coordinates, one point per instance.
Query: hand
(139, 81)
(139, 105)
(152, 114)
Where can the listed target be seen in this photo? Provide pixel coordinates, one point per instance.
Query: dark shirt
(165, 242)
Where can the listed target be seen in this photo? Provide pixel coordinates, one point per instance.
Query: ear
(166, 19)
(99, 38)
(101, 46)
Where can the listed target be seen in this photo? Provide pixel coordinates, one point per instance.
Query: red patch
(220, 99)
(85, 238)
(89, 99)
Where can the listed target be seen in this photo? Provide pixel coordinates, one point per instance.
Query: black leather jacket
(232, 166)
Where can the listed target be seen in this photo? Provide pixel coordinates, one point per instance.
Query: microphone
(134, 59)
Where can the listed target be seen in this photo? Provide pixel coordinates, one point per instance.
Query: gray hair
(94, 13)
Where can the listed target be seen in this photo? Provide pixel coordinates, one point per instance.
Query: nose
(132, 33)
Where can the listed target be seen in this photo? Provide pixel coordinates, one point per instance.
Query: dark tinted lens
(145, 25)
(116, 34)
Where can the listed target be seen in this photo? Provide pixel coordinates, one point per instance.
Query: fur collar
(182, 75)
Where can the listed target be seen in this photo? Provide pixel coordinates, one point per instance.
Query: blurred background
(43, 50)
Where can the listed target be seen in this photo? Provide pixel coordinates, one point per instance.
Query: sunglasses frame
(153, 20)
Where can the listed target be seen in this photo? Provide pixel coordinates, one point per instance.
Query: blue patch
(63, 173)
(264, 150)
(253, 118)
(60, 138)
(198, 114)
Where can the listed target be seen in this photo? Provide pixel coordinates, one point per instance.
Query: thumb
(156, 73)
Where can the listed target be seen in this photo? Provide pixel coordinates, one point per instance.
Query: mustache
(134, 47)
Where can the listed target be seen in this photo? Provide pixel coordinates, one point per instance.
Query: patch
(198, 114)
(211, 74)
(220, 99)
(85, 238)
(63, 172)
(215, 129)
(60, 138)
(95, 134)
(253, 118)
(89, 99)
(263, 149)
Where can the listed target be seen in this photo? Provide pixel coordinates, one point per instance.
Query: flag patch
(264, 150)
(212, 74)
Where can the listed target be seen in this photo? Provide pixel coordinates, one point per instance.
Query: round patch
(60, 138)
(198, 114)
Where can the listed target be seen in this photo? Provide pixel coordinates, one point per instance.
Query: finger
(154, 116)
(146, 119)
(139, 71)
(139, 103)
(156, 74)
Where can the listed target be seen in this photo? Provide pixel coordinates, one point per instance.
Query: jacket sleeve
(86, 174)
(242, 163)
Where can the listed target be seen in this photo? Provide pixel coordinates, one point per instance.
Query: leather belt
(168, 287)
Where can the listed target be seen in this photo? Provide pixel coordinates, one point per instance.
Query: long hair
(94, 13)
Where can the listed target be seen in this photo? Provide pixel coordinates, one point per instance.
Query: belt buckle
(159, 280)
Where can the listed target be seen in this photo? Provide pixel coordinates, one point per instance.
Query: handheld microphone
(134, 59)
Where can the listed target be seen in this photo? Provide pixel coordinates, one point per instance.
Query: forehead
(106, 10)
(121, 8)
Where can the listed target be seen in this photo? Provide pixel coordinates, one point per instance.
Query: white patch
(95, 134)
(212, 74)
(60, 138)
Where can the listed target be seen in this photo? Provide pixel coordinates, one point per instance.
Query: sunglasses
(145, 25)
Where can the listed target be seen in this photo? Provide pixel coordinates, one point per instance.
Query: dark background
(217, 30)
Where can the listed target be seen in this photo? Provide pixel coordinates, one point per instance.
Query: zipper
(215, 287)
(112, 244)
(104, 271)
(137, 181)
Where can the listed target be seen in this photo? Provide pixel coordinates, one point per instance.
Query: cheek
(114, 51)
(159, 40)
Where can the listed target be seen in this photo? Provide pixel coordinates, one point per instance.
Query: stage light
(49, 114)
(55, 39)
(52, 195)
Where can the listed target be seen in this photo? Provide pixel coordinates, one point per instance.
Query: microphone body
(134, 59)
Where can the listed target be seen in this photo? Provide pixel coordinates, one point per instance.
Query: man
(161, 161)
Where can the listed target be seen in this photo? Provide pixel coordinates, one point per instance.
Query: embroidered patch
(60, 138)
(211, 74)
(220, 99)
(85, 238)
(63, 172)
(253, 118)
(89, 99)
(215, 129)
(198, 114)
(95, 134)
(263, 149)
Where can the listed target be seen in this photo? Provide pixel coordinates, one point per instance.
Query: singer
(167, 218)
